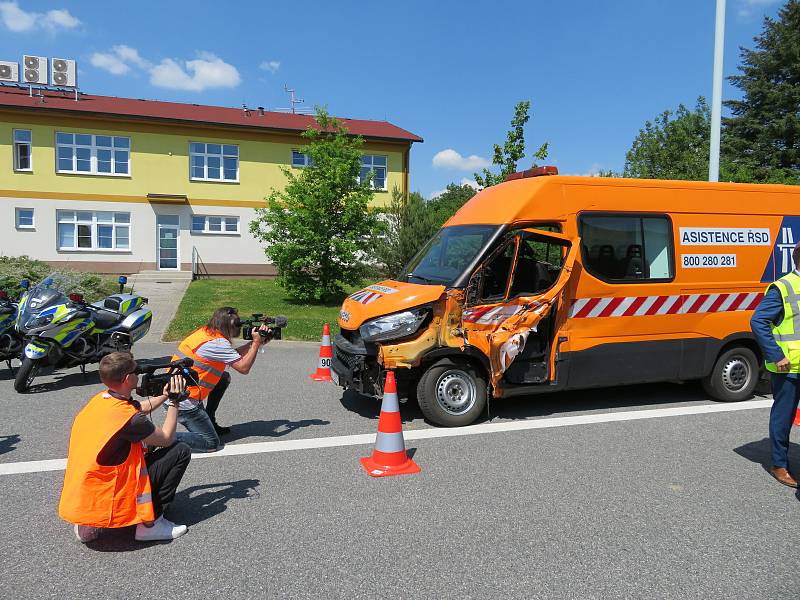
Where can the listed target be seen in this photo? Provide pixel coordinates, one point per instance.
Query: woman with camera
(212, 351)
(110, 481)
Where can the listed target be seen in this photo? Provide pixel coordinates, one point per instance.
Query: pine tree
(762, 138)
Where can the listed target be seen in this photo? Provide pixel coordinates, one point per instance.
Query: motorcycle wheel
(25, 375)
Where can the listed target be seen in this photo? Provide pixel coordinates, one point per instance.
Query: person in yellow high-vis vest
(776, 325)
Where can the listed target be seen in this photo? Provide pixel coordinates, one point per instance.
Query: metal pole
(716, 98)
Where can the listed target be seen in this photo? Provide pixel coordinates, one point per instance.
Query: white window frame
(206, 225)
(93, 148)
(16, 217)
(372, 165)
(16, 144)
(93, 223)
(306, 159)
(222, 156)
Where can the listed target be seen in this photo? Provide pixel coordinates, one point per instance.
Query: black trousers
(215, 396)
(166, 467)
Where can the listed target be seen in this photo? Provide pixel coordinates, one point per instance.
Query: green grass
(251, 296)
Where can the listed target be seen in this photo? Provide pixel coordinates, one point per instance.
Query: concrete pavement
(670, 507)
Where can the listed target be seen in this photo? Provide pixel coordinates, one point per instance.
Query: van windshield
(445, 257)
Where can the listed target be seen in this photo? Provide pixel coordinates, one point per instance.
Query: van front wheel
(734, 376)
(452, 393)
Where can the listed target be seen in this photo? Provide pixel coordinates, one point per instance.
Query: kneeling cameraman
(110, 481)
(211, 350)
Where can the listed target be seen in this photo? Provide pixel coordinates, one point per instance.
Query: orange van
(548, 282)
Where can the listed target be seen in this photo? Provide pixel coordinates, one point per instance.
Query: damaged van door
(511, 305)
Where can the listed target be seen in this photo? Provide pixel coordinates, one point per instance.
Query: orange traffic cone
(323, 372)
(389, 456)
(797, 418)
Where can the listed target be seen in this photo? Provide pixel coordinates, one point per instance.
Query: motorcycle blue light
(122, 280)
(24, 284)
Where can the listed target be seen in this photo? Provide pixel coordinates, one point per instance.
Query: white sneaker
(162, 529)
(86, 534)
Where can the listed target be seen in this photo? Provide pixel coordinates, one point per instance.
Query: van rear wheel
(734, 376)
(452, 393)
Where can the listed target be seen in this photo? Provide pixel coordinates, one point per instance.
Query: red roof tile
(189, 113)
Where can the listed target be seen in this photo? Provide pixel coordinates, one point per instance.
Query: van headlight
(393, 326)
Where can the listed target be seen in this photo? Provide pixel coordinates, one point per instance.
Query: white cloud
(109, 62)
(270, 65)
(450, 159)
(18, 20)
(207, 71)
(131, 56)
(747, 8)
(204, 72)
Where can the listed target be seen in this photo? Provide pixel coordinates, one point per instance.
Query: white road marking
(39, 466)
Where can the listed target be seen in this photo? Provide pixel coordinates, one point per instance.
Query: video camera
(152, 384)
(273, 332)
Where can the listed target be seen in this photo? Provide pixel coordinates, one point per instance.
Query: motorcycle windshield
(52, 291)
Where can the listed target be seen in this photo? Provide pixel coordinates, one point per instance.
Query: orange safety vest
(210, 371)
(98, 495)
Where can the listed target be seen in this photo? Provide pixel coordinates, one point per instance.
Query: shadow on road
(370, 408)
(760, 452)
(190, 507)
(62, 381)
(539, 405)
(274, 428)
(7, 443)
(200, 502)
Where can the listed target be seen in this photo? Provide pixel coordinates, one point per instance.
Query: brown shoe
(783, 476)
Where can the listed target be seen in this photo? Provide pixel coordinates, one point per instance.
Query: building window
(23, 150)
(215, 224)
(90, 230)
(627, 247)
(24, 218)
(92, 154)
(214, 162)
(300, 159)
(376, 164)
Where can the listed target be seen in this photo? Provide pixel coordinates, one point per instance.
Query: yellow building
(119, 185)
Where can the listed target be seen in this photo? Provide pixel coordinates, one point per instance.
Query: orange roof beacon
(548, 282)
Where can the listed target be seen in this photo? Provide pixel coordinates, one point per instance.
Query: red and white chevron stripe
(640, 306)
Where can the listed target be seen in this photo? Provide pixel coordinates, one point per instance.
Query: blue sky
(450, 72)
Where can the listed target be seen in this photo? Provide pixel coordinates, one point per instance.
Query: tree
(507, 156)
(445, 205)
(318, 227)
(675, 146)
(408, 225)
(762, 138)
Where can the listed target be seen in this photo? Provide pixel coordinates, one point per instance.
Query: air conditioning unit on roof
(9, 71)
(63, 72)
(34, 70)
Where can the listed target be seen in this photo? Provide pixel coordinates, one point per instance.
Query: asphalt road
(678, 506)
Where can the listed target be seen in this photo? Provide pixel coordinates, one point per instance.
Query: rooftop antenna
(292, 99)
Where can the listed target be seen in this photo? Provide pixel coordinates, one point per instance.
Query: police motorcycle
(63, 330)
(10, 340)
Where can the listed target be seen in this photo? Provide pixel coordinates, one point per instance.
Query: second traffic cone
(323, 372)
(797, 418)
(389, 456)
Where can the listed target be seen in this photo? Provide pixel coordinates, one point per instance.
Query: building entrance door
(168, 250)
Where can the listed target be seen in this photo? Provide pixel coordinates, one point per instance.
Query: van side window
(627, 248)
(538, 266)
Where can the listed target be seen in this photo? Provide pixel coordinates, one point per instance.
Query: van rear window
(627, 247)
